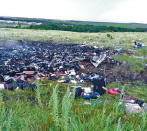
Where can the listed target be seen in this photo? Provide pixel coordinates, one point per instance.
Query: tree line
(84, 27)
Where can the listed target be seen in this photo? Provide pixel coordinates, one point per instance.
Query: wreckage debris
(23, 60)
(137, 44)
(132, 104)
(113, 92)
(96, 60)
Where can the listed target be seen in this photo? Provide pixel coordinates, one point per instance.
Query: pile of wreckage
(23, 62)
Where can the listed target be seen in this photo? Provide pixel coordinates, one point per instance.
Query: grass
(137, 65)
(12, 25)
(96, 39)
(50, 109)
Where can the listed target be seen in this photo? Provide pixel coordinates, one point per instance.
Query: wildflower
(2, 102)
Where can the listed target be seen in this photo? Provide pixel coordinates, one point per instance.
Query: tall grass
(63, 112)
(66, 109)
(54, 110)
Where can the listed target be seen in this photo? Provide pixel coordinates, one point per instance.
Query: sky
(84, 10)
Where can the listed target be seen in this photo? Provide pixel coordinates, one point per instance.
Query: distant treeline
(84, 27)
(77, 26)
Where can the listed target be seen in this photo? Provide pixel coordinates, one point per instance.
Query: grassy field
(51, 108)
(12, 25)
(96, 39)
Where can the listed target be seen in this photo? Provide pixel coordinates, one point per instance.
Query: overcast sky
(89, 10)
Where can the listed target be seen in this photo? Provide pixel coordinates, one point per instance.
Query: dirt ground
(117, 72)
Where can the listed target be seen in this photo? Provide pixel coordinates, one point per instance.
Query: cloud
(91, 10)
(129, 11)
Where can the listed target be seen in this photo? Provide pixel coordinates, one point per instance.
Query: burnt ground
(69, 56)
(119, 73)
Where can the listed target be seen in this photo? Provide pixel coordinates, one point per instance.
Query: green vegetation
(51, 108)
(79, 26)
(96, 39)
(137, 64)
(13, 25)
(90, 27)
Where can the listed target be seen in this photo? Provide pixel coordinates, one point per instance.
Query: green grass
(137, 65)
(97, 39)
(51, 108)
(12, 25)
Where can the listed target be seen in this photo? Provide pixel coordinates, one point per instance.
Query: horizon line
(74, 20)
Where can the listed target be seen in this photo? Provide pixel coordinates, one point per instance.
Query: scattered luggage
(132, 108)
(137, 44)
(113, 92)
